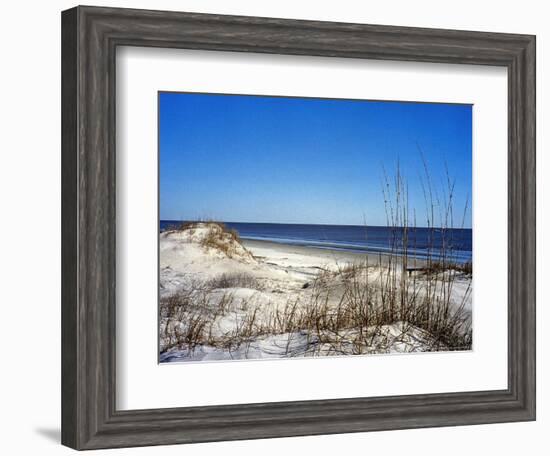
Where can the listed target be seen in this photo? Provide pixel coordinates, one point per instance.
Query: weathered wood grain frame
(90, 36)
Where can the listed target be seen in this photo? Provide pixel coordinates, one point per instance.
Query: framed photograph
(280, 228)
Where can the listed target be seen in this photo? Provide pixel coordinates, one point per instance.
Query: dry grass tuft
(234, 280)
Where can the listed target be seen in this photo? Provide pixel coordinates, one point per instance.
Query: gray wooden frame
(90, 36)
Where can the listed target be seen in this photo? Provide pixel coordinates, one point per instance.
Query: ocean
(372, 239)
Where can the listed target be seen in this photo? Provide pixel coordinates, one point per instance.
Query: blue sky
(305, 160)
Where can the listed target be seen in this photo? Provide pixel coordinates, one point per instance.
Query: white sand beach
(223, 298)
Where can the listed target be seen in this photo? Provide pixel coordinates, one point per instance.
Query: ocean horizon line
(161, 220)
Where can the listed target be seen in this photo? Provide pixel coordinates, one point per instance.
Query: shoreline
(265, 249)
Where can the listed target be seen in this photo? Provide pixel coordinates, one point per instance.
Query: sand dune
(222, 298)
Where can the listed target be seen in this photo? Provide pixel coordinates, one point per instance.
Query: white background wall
(30, 224)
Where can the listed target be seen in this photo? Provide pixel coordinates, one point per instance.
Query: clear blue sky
(304, 160)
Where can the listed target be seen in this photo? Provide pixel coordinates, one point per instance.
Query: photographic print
(294, 227)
